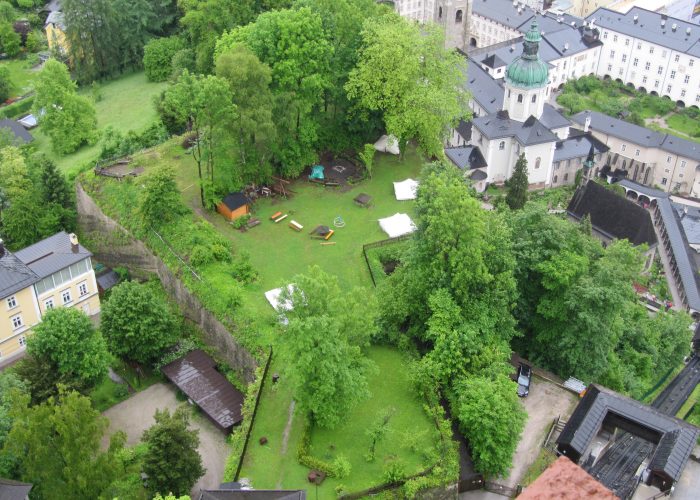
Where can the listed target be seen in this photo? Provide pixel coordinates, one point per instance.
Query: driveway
(135, 415)
(688, 485)
(545, 402)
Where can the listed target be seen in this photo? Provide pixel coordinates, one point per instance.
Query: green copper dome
(528, 70)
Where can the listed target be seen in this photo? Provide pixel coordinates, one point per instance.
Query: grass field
(22, 75)
(125, 104)
(269, 467)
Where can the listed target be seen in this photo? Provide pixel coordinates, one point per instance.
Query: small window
(651, 50)
(458, 17)
(48, 304)
(677, 58)
(502, 145)
(534, 97)
(22, 340)
(605, 35)
(17, 321)
(624, 57)
(566, 177)
(538, 161)
(690, 63)
(668, 89)
(660, 70)
(555, 179)
(636, 152)
(627, 41)
(673, 75)
(609, 67)
(664, 181)
(440, 13)
(644, 79)
(682, 163)
(668, 159)
(686, 79)
(624, 147)
(612, 54)
(520, 98)
(11, 302)
(635, 62)
(682, 93)
(647, 65)
(65, 296)
(83, 289)
(614, 38)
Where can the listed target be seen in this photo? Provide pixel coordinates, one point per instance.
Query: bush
(342, 466)
(116, 144)
(394, 472)
(5, 83)
(201, 255)
(17, 108)
(158, 56)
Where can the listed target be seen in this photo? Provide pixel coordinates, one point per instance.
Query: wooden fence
(377, 244)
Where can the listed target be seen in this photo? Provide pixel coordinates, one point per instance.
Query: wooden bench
(296, 226)
(253, 222)
(275, 215)
(328, 236)
(281, 217)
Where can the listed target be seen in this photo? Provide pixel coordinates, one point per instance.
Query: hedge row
(17, 108)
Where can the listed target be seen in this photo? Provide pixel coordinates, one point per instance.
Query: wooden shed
(234, 205)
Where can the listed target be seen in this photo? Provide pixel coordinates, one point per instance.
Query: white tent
(387, 144)
(406, 190)
(397, 225)
(273, 297)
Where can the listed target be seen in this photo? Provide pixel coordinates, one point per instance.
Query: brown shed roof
(196, 376)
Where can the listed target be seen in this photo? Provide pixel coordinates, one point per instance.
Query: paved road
(688, 487)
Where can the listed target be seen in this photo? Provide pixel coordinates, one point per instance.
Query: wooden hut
(234, 205)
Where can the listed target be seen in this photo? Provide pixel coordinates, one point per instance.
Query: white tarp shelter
(28, 121)
(406, 190)
(397, 225)
(273, 297)
(387, 144)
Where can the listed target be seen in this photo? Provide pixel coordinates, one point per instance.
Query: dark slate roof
(466, 157)
(465, 129)
(52, 254)
(577, 145)
(648, 27)
(14, 490)
(17, 129)
(493, 61)
(14, 275)
(639, 135)
(107, 279)
(486, 91)
(671, 453)
(612, 214)
(253, 495)
(553, 119)
(478, 175)
(690, 220)
(499, 125)
(235, 200)
(195, 374)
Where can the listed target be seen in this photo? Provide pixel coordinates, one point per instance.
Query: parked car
(524, 378)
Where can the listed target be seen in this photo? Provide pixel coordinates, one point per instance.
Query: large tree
(405, 72)
(58, 446)
(518, 184)
(172, 461)
(137, 323)
(294, 44)
(66, 117)
(67, 340)
(160, 199)
(253, 129)
(205, 104)
(323, 343)
(491, 418)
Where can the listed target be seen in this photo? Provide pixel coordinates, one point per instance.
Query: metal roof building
(195, 374)
(53, 254)
(674, 438)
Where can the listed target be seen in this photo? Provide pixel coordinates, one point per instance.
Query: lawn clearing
(125, 104)
(409, 430)
(22, 75)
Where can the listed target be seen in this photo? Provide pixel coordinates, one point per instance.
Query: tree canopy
(518, 184)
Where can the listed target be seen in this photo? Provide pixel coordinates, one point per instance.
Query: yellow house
(56, 33)
(55, 272)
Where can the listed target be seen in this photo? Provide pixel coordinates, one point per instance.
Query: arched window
(520, 98)
(440, 13)
(458, 17)
(555, 179)
(502, 145)
(534, 97)
(537, 162)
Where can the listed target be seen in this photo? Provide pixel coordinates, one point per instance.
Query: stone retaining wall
(114, 246)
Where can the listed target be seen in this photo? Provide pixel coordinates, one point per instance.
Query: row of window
(63, 276)
(66, 298)
(664, 53)
(22, 340)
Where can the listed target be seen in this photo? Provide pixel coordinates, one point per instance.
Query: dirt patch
(390, 266)
(135, 415)
(545, 402)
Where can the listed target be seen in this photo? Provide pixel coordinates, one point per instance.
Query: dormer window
(520, 98)
(534, 97)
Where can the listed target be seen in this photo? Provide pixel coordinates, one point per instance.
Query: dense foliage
(323, 342)
(137, 323)
(518, 185)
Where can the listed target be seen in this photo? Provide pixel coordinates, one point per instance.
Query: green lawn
(693, 399)
(107, 394)
(125, 104)
(22, 75)
(268, 467)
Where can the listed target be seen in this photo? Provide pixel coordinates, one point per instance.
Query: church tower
(526, 79)
(454, 16)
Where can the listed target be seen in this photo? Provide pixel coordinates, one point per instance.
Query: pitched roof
(14, 275)
(17, 129)
(108, 279)
(639, 135)
(564, 480)
(235, 200)
(553, 119)
(587, 419)
(493, 61)
(577, 145)
(14, 490)
(52, 254)
(612, 214)
(486, 91)
(500, 125)
(651, 27)
(195, 374)
(466, 157)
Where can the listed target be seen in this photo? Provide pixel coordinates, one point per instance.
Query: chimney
(674, 27)
(73, 242)
(636, 18)
(566, 46)
(587, 123)
(2, 248)
(687, 31)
